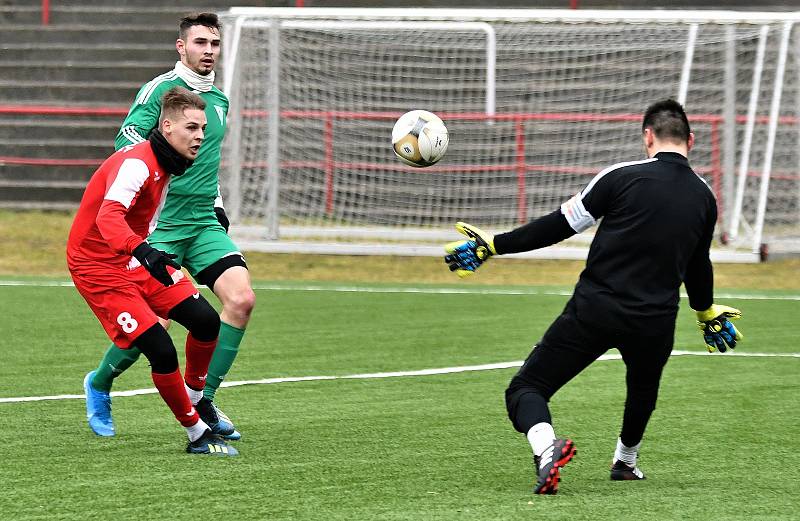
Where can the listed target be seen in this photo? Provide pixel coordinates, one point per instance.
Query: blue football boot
(98, 408)
(210, 443)
(217, 421)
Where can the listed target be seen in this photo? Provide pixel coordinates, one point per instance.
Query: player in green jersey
(192, 223)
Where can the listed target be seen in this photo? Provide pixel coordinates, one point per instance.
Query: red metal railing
(45, 12)
(520, 166)
(297, 3)
(328, 165)
(49, 110)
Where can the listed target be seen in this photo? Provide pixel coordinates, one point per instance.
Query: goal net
(536, 103)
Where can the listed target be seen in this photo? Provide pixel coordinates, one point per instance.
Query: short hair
(176, 100)
(668, 121)
(209, 20)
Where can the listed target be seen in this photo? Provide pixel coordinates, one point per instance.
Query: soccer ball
(419, 138)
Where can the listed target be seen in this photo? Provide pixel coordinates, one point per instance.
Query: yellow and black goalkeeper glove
(715, 323)
(464, 257)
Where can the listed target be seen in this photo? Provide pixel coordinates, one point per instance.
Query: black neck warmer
(168, 158)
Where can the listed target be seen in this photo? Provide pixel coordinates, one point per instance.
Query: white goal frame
(749, 248)
(276, 25)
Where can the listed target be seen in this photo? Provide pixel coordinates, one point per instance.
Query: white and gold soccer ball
(419, 138)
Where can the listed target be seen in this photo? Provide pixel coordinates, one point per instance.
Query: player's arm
(219, 210)
(574, 216)
(122, 190)
(714, 320)
(219, 207)
(538, 233)
(464, 257)
(699, 278)
(141, 119)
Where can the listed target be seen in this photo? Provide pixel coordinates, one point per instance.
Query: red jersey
(118, 210)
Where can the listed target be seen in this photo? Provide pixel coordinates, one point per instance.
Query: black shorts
(570, 345)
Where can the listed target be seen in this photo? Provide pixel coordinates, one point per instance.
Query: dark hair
(209, 20)
(668, 121)
(178, 99)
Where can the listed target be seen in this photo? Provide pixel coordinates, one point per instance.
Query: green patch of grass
(403, 448)
(423, 448)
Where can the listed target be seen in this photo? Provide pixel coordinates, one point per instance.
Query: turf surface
(721, 445)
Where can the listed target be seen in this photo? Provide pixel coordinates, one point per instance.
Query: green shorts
(196, 252)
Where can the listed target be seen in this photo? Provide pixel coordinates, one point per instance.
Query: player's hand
(719, 332)
(222, 217)
(464, 257)
(156, 262)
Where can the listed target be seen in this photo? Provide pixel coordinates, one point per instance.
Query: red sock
(198, 357)
(170, 387)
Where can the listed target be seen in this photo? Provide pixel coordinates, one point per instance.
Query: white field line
(393, 374)
(422, 290)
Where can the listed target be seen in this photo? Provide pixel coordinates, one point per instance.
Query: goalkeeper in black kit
(658, 220)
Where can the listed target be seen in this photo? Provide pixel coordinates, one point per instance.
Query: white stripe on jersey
(131, 135)
(132, 174)
(218, 199)
(705, 183)
(152, 84)
(611, 169)
(154, 221)
(576, 214)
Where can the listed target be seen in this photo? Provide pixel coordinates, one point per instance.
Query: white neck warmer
(196, 81)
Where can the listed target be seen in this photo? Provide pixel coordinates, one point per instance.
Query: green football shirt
(191, 197)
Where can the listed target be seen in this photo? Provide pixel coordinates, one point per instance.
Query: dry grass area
(33, 243)
(783, 274)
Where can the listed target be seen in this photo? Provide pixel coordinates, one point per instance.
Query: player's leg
(116, 361)
(117, 299)
(97, 387)
(233, 288)
(645, 358)
(214, 260)
(183, 303)
(202, 322)
(567, 348)
(95, 288)
(156, 345)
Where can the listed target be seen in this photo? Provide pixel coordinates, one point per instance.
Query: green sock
(113, 364)
(227, 348)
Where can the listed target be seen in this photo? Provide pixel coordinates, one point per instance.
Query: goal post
(536, 102)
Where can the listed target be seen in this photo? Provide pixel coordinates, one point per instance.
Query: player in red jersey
(127, 283)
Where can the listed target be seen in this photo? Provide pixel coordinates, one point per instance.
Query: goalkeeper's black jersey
(657, 223)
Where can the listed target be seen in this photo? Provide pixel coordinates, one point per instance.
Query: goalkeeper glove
(156, 262)
(464, 257)
(222, 217)
(717, 328)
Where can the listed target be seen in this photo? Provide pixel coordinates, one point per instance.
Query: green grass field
(722, 444)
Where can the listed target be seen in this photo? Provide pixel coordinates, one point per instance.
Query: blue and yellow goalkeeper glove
(464, 257)
(718, 331)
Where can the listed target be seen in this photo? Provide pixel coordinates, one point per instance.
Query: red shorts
(128, 303)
